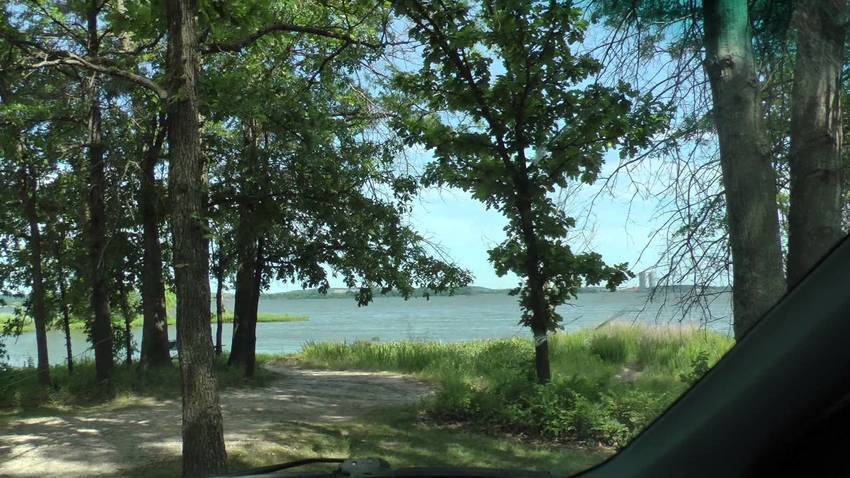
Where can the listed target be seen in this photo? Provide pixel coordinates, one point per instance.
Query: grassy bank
(20, 390)
(608, 383)
(77, 324)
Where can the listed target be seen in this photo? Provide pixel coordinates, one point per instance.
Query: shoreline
(77, 325)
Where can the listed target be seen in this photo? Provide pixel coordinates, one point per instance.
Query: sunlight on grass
(398, 437)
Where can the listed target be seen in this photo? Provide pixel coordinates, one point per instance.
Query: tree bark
(203, 438)
(244, 310)
(29, 197)
(251, 362)
(245, 337)
(748, 176)
(102, 324)
(219, 304)
(541, 312)
(243, 348)
(816, 134)
(155, 350)
(63, 297)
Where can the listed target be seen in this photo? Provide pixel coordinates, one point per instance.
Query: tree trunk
(244, 311)
(155, 350)
(203, 438)
(541, 312)
(29, 196)
(219, 305)
(246, 336)
(243, 349)
(748, 176)
(13, 149)
(251, 362)
(102, 325)
(63, 297)
(816, 134)
(128, 319)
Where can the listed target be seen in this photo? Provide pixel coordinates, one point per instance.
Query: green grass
(20, 391)
(399, 437)
(608, 383)
(77, 324)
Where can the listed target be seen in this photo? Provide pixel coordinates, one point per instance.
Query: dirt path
(101, 444)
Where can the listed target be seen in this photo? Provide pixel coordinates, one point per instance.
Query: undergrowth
(607, 384)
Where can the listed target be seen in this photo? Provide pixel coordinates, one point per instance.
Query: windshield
(467, 233)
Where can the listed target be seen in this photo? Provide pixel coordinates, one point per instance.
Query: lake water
(447, 319)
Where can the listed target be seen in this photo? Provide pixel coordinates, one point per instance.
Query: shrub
(699, 367)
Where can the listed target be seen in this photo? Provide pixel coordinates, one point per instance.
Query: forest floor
(300, 413)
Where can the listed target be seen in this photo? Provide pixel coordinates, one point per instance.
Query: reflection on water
(448, 319)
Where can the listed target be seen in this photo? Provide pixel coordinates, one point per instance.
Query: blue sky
(466, 230)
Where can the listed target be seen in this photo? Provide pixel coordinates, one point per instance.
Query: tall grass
(608, 383)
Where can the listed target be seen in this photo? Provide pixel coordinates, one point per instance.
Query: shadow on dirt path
(102, 444)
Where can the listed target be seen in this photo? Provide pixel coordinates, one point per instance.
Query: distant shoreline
(227, 318)
(342, 293)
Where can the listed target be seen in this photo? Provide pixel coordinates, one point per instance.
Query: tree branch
(66, 58)
(51, 58)
(496, 127)
(249, 40)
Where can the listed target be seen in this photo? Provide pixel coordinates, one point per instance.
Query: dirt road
(102, 444)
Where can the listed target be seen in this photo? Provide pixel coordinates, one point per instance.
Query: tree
(25, 171)
(28, 188)
(718, 207)
(203, 436)
(748, 176)
(817, 134)
(101, 329)
(283, 209)
(100, 47)
(155, 348)
(481, 125)
(220, 268)
(248, 255)
(57, 237)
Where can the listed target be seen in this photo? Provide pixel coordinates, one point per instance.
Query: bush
(699, 367)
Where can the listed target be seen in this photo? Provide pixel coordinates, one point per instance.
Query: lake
(447, 319)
